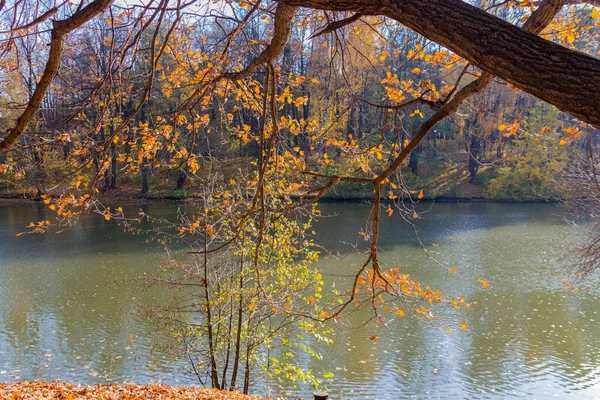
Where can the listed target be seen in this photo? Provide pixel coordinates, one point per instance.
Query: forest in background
(335, 96)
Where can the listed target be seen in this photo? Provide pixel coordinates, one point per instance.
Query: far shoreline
(20, 199)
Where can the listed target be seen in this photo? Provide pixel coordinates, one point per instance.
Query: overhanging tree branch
(562, 77)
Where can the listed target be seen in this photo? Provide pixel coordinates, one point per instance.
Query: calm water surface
(62, 316)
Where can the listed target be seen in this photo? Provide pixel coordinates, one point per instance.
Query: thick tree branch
(565, 78)
(281, 36)
(59, 31)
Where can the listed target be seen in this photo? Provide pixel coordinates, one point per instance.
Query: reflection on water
(528, 337)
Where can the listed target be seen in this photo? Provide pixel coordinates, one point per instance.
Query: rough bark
(564, 78)
(59, 30)
(281, 36)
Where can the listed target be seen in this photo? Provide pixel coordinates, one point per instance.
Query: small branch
(335, 25)
(36, 21)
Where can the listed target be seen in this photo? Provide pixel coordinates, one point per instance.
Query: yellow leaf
(416, 70)
(595, 13)
(315, 81)
(448, 331)
(420, 195)
(452, 270)
(464, 326)
(417, 112)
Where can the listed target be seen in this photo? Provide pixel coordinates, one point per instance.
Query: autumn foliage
(61, 390)
(262, 108)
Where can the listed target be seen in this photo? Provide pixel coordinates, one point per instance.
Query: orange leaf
(484, 283)
(464, 326)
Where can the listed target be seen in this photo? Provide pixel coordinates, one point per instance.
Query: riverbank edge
(64, 390)
(124, 200)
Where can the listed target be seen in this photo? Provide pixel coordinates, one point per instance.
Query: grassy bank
(437, 180)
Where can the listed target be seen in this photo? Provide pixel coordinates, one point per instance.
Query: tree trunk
(238, 335)
(145, 176)
(474, 153)
(182, 179)
(413, 162)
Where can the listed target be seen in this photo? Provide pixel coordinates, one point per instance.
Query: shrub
(179, 194)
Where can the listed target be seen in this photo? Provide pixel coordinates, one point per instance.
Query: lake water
(62, 316)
